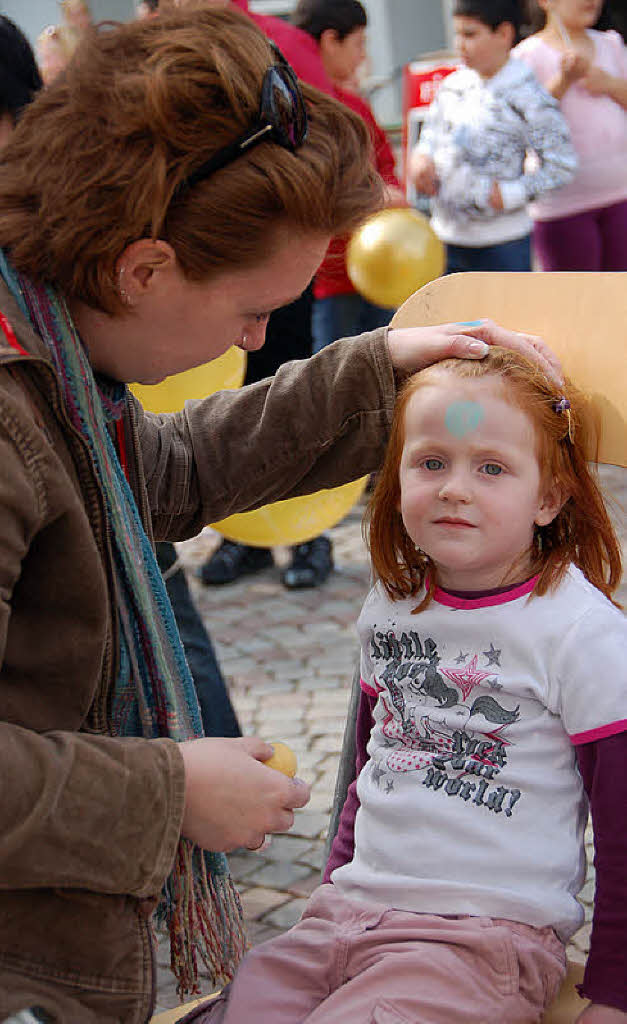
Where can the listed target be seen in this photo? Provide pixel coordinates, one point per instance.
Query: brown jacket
(89, 823)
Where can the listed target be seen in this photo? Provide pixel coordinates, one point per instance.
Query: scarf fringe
(205, 921)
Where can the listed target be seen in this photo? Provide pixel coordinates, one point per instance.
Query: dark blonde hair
(96, 160)
(581, 532)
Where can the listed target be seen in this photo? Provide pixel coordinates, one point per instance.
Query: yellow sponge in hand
(283, 759)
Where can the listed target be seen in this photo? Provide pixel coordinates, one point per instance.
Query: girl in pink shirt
(583, 226)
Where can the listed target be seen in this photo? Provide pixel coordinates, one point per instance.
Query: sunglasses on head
(282, 119)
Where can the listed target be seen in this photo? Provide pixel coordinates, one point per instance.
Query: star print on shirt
(461, 658)
(493, 655)
(467, 678)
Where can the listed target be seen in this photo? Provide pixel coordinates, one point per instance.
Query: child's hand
(423, 174)
(596, 81)
(573, 67)
(495, 198)
(231, 798)
(395, 196)
(598, 1014)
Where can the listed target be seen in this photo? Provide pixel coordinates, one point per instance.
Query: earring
(126, 299)
(244, 341)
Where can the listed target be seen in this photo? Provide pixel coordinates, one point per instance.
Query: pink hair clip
(563, 405)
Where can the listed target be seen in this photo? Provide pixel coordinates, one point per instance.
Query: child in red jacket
(339, 27)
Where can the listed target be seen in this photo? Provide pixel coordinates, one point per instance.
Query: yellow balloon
(224, 373)
(294, 520)
(392, 255)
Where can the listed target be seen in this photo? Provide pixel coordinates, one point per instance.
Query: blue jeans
(509, 256)
(344, 316)
(217, 712)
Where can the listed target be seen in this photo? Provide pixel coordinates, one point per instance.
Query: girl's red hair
(581, 533)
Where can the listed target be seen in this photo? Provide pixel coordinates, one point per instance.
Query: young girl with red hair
(493, 713)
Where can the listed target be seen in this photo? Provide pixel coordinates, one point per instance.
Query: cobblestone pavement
(288, 657)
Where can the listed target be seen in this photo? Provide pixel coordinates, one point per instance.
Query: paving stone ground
(288, 657)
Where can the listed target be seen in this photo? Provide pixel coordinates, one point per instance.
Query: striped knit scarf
(154, 693)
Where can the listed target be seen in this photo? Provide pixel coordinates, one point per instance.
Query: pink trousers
(347, 962)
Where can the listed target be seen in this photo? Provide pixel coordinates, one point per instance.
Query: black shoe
(311, 564)
(232, 560)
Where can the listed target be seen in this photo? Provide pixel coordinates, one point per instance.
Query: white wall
(448, 22)
(33, 15)
(398, 32)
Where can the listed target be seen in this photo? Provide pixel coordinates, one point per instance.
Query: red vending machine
(421, 79)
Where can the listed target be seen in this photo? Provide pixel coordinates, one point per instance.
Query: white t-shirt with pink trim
(471, 801)
(598, 129)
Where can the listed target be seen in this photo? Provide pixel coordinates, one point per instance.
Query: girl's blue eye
(492, 469)
(433, 464)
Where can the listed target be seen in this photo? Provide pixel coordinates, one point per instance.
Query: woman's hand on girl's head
(413, 348)
(231, 798)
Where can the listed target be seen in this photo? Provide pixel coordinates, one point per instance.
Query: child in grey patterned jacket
(493, 140)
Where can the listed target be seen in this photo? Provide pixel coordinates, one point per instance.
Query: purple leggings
(594, 240)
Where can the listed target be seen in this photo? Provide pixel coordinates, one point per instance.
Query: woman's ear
(551, 503)
(140, 266)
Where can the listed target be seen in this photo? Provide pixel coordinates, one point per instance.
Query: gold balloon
(392, 255)
(225, 372)
(294, 520)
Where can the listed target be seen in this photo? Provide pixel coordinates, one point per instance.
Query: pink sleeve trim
(442, 597)
(367, 688)
(601, 733)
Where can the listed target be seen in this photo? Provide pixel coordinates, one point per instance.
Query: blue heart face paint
(463, 417)
(469, 323)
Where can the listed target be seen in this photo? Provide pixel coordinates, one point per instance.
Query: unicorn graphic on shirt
(432, 724)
